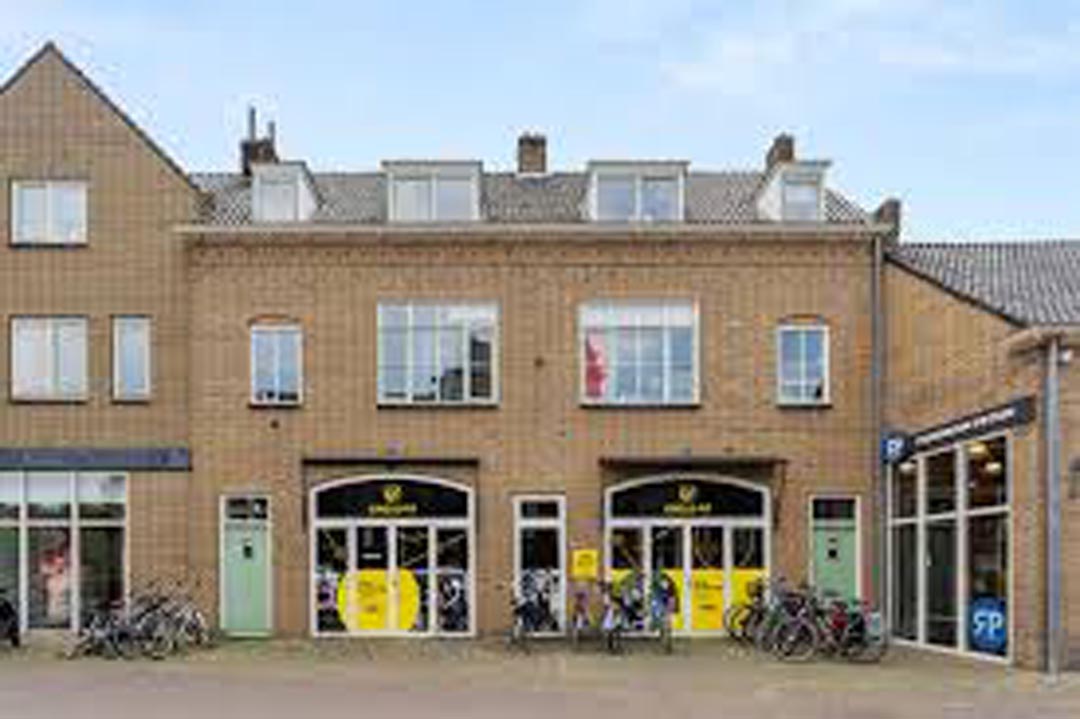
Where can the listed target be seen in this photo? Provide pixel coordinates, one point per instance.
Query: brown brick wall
(946, 358)
(538, 438)
(53, 126)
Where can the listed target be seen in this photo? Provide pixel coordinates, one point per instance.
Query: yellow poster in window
(363, 600)
(585, 565)
(707, 599)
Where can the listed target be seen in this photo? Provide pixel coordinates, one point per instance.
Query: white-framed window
(426, 194)
(621, 196)
(48, 358)
(802, 360)
(63, 549)
(48, 212)
(540, 558)
(131, 357)
(279, 200)
(432, 353)
(801, 199)
(639, 352)
(277, 376)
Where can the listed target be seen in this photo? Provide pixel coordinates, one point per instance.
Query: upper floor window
(48, 358)
(628, 196)
(48, 212)
(432, 192)
(803, 361)
(282, 192)
(802, 198)
(437, 353)
(131, 358)
(639, 353)
(276, 365)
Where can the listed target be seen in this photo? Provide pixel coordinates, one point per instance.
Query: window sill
(275, 405)
(641, 405)
(438, 405)
(131, 400)
(804, 405)
(50, 400)
(48, 245)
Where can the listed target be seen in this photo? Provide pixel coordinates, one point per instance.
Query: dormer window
(801, 199)
(434, 192)
(637, 192)
(281, 192)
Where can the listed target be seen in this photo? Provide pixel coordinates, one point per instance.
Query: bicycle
(531, 607)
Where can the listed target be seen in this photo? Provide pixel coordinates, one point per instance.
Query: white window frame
(666, 401)
(51, 323)
(49, 186)
(826, 370)
(282, 328)
(813, 180)
(558, 523)
(74, 524)
(959, 514)
(143, 394)
(639, 178)
(432, 173)
(466, 387)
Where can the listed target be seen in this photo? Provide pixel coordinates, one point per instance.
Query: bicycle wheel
(859, 646)
(796, 641)
(735, 619)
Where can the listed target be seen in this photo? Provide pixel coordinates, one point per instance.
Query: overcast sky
(968, 111)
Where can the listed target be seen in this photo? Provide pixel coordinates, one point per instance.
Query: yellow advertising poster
(363, 600)
(707, 599)
(585, 564)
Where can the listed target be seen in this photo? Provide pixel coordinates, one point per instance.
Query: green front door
(834, 539)
(246, 567)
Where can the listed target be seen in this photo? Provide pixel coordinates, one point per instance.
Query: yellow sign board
(585, 564)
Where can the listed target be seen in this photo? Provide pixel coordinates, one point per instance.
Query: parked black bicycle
(532, 606)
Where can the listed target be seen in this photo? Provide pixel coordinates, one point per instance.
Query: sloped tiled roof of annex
(1034, 282)
(559, 197)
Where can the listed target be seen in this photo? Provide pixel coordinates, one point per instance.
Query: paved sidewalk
(307, 680)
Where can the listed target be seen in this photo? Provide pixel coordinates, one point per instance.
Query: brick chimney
(532, 154)
(890, 212)
(256, 149)
(782, 150)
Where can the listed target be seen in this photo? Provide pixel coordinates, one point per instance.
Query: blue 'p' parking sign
(989, 629)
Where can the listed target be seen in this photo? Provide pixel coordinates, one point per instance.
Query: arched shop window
(62, 548)
(949, 512)
(392, 555)
(704, 538)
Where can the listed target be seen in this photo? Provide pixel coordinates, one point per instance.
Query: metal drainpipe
(877, 369)
(1053, 509)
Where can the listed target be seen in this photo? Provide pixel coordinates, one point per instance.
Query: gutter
(467, 230)
(1052, 340)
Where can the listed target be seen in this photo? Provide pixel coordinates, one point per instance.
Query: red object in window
(596, 373)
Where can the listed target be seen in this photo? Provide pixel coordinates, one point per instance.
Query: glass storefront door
(392, 556)
(705, 540)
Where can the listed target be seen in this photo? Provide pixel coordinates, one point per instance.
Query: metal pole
(877, 370)
(1053, 511)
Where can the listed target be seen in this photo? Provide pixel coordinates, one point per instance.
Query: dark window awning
(160, 459)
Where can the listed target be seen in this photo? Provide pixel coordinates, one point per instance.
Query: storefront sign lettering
(1020, 411)
(393, 504)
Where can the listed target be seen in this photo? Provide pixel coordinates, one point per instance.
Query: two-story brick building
(377, 402)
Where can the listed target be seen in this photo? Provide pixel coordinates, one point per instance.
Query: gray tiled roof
(1033, 283)
(353, 197)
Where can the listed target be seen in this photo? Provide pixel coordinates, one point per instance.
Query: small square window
(51, 212)
(276, 365)
(801, 200)
(802, 365)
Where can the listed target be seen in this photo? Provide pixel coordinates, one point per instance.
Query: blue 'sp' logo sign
(989, 630)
